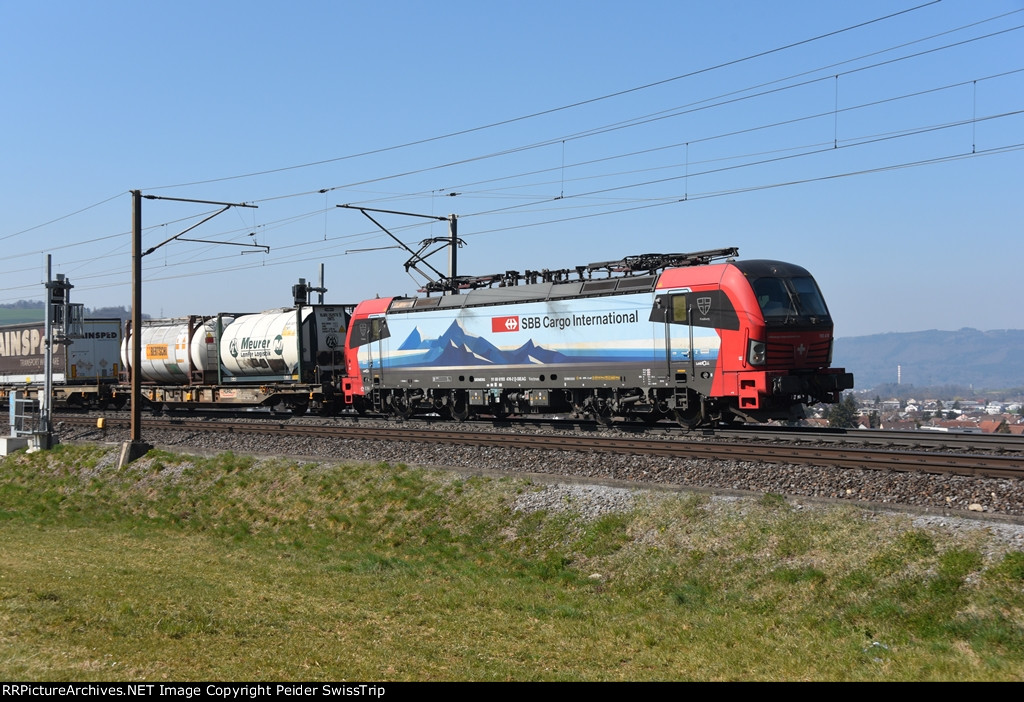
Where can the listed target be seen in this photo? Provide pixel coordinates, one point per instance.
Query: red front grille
(797, 351)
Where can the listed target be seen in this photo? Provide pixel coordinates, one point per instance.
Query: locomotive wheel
(459, 407)
(400, 407)
(688, 419)
(501, 411)
(603, 416)
(652, 418)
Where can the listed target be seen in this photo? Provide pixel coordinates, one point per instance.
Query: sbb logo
(505, 324)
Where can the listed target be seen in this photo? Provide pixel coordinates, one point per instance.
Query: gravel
(594, 484)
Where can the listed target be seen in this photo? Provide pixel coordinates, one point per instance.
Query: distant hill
(22, 312)
(968, 357)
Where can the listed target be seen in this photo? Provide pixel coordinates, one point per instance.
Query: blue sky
(885, 158)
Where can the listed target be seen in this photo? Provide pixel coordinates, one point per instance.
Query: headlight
(756, 353)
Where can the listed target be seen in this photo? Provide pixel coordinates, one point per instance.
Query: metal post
(136, 425)
(321, 283)
(14, 399)
(453, 250)
(134, 447)
(44, 401)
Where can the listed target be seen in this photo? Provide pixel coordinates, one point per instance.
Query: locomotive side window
(679, 309)
(710, 309)
(670, 308)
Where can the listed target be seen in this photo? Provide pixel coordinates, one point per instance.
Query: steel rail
(986, 465)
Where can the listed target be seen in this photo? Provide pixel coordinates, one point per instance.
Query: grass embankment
(231, 569)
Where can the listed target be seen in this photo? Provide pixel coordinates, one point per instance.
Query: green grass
(230, 568)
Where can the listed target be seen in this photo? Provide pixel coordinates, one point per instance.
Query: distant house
(899, 425)
(958, 425)
(994, 426)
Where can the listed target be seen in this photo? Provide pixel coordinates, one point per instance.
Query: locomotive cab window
(809, 297)
(365, 331)
(789, 298)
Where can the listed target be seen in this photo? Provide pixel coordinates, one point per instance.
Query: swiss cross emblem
(505, 324)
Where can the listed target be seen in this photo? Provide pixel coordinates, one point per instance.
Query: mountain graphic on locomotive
(660, 336)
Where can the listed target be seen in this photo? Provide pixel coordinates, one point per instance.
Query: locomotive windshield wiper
(795, 310)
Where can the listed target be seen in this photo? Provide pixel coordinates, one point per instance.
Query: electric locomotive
(653, 336)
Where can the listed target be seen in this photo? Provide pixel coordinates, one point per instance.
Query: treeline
(105, 312)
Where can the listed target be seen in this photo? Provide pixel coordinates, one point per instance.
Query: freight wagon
(288, 358)
(85, 368)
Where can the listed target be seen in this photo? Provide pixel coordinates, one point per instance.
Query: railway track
(935, 441)
(801, 449)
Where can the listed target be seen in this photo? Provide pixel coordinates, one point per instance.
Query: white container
(164, 358)
(267, 344)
